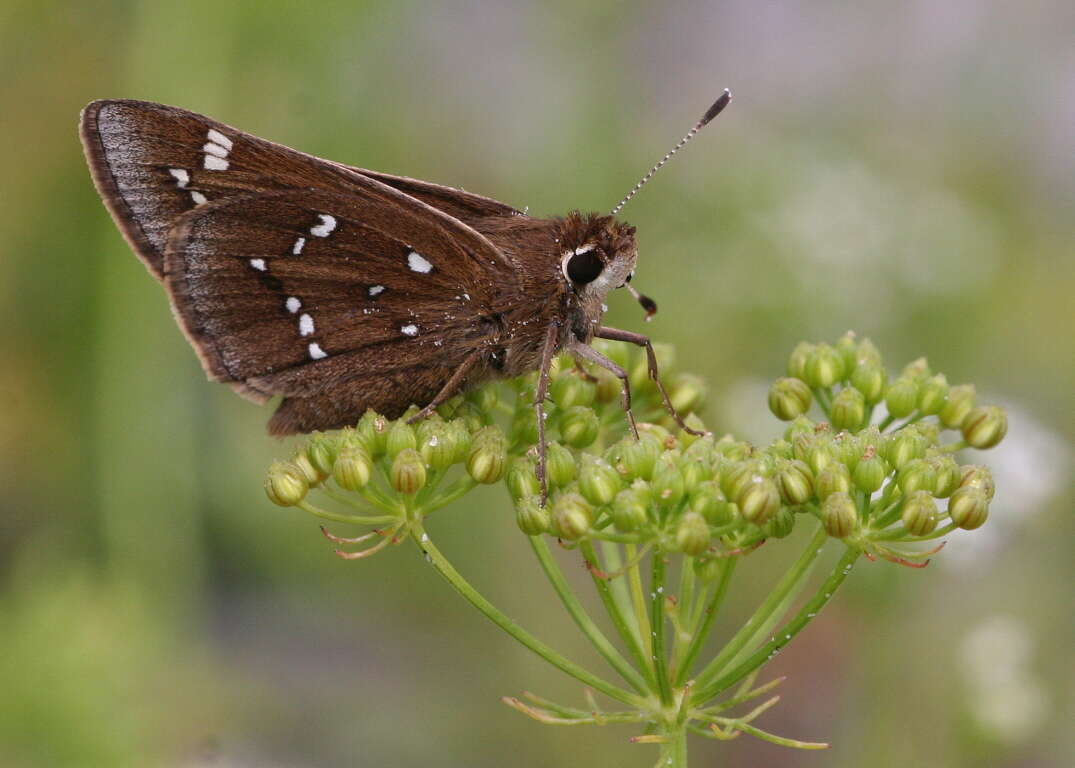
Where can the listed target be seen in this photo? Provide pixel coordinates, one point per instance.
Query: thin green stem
(634, 577)
(674, 750)
(491, 612)
(339, 518)
(784, 588)
(824, 400)
(582, 619)
(460, 487)
(787, 633)
(657, 620)
(701, 633)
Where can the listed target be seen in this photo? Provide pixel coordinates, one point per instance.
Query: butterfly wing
(152, 163)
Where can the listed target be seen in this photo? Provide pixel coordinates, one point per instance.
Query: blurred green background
(903, 169)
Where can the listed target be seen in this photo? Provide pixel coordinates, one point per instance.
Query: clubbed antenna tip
(718, 105)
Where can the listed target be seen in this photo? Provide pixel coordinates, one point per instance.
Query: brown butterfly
(342, 289)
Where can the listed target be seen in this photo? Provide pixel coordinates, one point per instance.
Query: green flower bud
(687, 393)
(709, 502)
(919, 513)
(847, 449)
(929, 431)
(522, 479)
(868, 353)
(488, 455)
(484, 398)
(902, 397)
(797, 362)
(353, 467)
(692, 535)
(693, 472)
(285, 484)
(833, 479)
(571, 516)
(313, 477)
(436, 443)
(839, 515)
(904, 446)
(802, 426)
(321, 451)
(460, 438)
(870, 379)
(472, 417)
(401, 437)
(598, 481)
(373, 429)
(707, 568)
(667, 483)
(916, 475)
(968, 508)
(687, 439)
(408, 473)
(917, 370)
(795, 482)
(932, 394)
(781, 449)
(870, 472)
(560, 465)
(629, 510)
(847, 346)
(524, 427)
(608, 387)
(639, 457)
(734, 475)
(819, 457)
(570, 389)
(578, 426)
(973, 476)
(758, 500)
(789, 398)
(985, 426)
(532, 518)
(848, 409)
(947, 474)
(824, 367)
(960, 402)
(781, 524)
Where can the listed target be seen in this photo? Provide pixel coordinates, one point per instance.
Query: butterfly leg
(453, 385)
(615, 334)
(547, 353)
(591, 355)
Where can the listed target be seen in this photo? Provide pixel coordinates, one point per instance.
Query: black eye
(582, 268)
(629, 276)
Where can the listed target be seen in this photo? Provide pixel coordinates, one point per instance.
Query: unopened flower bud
(639, 457)
(532, 518)
(352, 468)
(578, 426)
(570, 389)
(313, 477)
(629, 510)
(847, 449)
(959, 403)
(973, 476)
(373, 429)
(833, 479)
(870, 379)
(488, 455)
(484, 398)
(824, 367)
(709, 501)
(687, 393)
(436, 443)
(692, 534)
(734, 475)
(968, 508)
(781, 524)
(522, 479)
(839, 515)
(847, 347)
(904, 446)
(708, 568)
(608, 387)
(985, 426)
(560, 465)
(571, 516)
(868, 353)
(819, 457)
(870, 472)
(932, 394)
(795, 482)
(285, 484)
(408, 473)
(789, 398)
(916, 475)
(401, 436)
(919, 513)
(797, 361)
(848, 409)
(687, 439)
(472, 417)
(947, 475)
(598, 481)
(917, 369)
(523, 427)
(758, 500)
(693, 472)
(321, 451)
(800, 427)
(902, 397)
(667, 483)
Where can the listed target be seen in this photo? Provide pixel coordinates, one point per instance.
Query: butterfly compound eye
(583, 267)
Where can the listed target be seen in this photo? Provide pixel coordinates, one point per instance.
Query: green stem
(491, 612)
(783, 589)
(701, 634)
(634, 576)
(339, 518)
(787, 633)
(582, 619)
(824, 401)
(674, 751)
(657, 620)
(460, 487)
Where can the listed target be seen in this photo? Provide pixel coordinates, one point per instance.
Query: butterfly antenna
(710, 113)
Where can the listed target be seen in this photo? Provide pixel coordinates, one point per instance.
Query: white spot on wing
(297, 247)
(417, 263)
(182, 178)
(214, 163)
(316, 353)
(306, 324)
(258, 264)
(409, 330)
(215, 149)
(293, 304)
(216, 136)
(197, 197)
(324, 229)
(376, 290)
